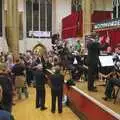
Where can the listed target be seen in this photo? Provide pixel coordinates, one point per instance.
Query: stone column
(54, 16)
(12, 27)
(86, 7)
(87, 16)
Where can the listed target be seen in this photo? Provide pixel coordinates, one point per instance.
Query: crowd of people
(75, 63)
(30, 68)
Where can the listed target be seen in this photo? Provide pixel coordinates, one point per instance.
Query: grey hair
(57, 68)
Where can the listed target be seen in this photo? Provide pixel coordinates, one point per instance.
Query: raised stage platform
(90, 105)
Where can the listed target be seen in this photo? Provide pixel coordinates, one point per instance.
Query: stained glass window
(76, 5)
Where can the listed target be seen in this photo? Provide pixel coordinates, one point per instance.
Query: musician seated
(115, 80)
(75, 73)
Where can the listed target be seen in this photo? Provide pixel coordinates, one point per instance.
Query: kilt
(19, 81)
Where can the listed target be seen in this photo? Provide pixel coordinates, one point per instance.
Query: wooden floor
(25, 109)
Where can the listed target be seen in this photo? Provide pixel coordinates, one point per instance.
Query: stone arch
(39, 49)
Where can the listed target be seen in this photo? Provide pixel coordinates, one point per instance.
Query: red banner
(72, 25)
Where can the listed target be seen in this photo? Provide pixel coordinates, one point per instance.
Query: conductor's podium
(85, 106)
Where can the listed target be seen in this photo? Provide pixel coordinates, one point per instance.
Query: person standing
(40, 87)
(57, 81)
(78, 46)
(6, 85)
(4, 115)
(19, 71)
(94, 48)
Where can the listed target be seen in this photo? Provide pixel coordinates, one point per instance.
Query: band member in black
(57, 81)
(40, 87)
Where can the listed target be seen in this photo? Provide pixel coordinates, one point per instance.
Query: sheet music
(106, 60)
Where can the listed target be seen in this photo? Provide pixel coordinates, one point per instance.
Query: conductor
(94, 48)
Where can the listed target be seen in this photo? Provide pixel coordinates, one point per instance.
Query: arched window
(114, 8)
(118, 8)
(76, 5)
(0, 17)
(38, 17)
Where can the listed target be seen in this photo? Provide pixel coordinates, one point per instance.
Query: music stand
(105, 61)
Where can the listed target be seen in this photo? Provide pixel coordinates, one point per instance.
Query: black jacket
(94, 51)
(6, 84)
(57, 81)
(39, 78)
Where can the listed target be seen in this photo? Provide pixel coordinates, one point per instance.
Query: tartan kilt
(19, 81)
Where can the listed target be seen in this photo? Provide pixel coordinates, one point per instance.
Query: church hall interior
(60, 59)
